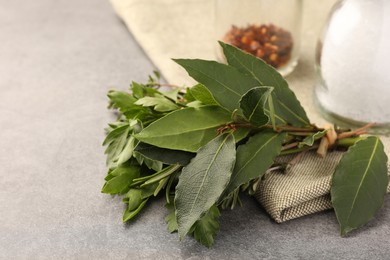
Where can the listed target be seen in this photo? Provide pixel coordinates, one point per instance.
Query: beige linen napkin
(168, 29)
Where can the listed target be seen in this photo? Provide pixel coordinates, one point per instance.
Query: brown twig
(289, 146)
(359, 131)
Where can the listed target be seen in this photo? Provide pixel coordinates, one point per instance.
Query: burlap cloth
(168, 29)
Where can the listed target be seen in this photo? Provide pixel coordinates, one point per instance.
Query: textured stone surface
(57, 61)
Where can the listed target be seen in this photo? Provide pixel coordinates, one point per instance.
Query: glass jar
(268, 29)
(353, 62)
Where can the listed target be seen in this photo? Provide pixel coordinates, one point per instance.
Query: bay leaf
(255, 157)
(253, 104)
(167, 156)
(195, 104)
(202, 94)
(309, 140)
(203, 180)
(287, 107)
(240, 134)
(224, 82)
(359, 184)
(186, 129)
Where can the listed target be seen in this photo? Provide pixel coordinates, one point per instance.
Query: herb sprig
(201, 147)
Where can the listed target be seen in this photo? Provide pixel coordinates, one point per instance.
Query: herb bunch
(200, 147)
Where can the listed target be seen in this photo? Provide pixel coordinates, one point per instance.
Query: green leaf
(309, 140)
(108, 177)
(172, 94)
(186, 129)
(205, 229)
(129, 214)
(150, 163)
(141, 113)
(120, 170)
(287, 107)
(161, 185)
(121, 100)
(203, 180)
(359, 184)
(195, 104)
(162, 174)
(240, 134)
(271, 112)
(149, 190)
(115, 133)
(124, 175)
(137, 90)
(167, 156)
(153, 164)
(170, 219)
(188, 97)
(202, 94)
(224, 82)
(133, 198)
(255, 157)
(253, 104)
(116, 124)
(160, 103)
(140, 90)
(171, 182)
(117, 145)
(127, 151)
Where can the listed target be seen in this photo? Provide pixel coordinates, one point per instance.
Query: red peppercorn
(268, 42)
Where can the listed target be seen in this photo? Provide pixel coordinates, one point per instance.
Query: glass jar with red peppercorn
(268, 29)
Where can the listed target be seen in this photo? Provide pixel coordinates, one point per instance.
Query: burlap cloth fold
(168, 29)
(303, 188)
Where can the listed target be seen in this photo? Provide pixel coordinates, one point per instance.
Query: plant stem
(347, 142)
(288, 128)
(298, 150)
(358, 131)
(304, 131)
(162, 174)
(300, 133)
(289, 146)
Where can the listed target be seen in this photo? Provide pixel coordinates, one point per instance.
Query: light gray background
(57, 61)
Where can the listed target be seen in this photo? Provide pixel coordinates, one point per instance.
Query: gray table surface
(57, 61)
